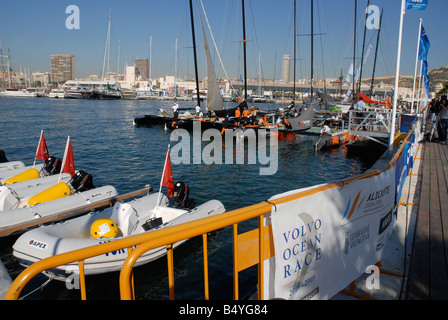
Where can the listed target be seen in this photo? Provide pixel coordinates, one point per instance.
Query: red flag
(167, 179)
(42, 150)
(68, 165)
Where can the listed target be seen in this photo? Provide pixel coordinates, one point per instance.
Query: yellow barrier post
(205, 254)
(169, 254)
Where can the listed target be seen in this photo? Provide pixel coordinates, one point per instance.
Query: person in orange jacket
(237, 116)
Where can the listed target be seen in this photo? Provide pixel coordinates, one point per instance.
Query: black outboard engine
(181, 193)
(81, 181)
(52, 166)
(3, 157)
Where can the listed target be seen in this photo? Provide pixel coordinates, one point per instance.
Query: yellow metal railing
(244, 255)
(249, 249)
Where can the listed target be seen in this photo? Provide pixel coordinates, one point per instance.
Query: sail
(304, 121)
(214, 98)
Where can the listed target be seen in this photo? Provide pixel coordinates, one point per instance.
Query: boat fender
(29, 174)
(57, 191)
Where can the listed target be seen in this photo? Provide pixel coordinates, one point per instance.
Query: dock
(428, 278)
(415, 261)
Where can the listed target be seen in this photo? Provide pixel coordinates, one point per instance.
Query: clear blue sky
(35, 29)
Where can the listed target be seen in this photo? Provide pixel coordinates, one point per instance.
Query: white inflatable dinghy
(12, 165)
(16, 195)
(131, 218)
(76, 193)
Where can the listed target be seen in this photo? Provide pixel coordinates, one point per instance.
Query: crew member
(175, 109)
(198, 111)
(325, 130)
(237, 116)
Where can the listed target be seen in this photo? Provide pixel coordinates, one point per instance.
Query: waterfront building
(62, 67)
(40, 77)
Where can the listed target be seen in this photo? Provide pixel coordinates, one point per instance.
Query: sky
(33, 30)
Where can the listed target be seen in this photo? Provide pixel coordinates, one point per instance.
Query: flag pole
(397, 75)
(38, 145)
(420, 86)
(64, 159)
(163, 174)
(416, 64)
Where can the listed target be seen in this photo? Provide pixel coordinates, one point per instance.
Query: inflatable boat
(16, 195)
(51, 166)
(144, 214)
(12, 165)
(76, 193)
(5, 164)
(13, 172)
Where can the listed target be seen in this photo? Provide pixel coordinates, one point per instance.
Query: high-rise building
(286, 68)
(62, 67)
(142, 66)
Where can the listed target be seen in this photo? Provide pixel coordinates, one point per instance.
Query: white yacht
(57, 93)
(18, 93)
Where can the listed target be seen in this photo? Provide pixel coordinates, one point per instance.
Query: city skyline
(35, 30)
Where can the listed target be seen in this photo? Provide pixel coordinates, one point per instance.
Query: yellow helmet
(103, 228)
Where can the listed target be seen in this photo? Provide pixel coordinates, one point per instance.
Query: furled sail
(214, 98)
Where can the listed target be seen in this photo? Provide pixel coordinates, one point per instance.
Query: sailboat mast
(354, 51)
(376, 52)
(244, 50)
(363, 46)
(194, 53)
(107, 48)
(294, 63)
(312, 47)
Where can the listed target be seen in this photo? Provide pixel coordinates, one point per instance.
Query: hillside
(436, 76)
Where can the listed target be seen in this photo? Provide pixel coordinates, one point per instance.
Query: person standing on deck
(237, 117)
(443, 123)
(360, 106)
(175, 109)
(198, 112)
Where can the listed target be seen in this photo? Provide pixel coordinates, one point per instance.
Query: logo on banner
(416, 4)
(351, 208)
(354, 239)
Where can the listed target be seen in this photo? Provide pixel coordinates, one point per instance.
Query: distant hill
(436, 76)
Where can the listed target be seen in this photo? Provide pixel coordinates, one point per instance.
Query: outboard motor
(3, 157)
(81, 181)
(181, 193)
(51, 166)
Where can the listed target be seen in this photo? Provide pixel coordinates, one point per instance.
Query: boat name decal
(99, 194)
(38, 244)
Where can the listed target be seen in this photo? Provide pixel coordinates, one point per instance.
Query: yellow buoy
(57, 191)
(25, 175)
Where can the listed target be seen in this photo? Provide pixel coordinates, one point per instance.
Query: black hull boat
(151, 120)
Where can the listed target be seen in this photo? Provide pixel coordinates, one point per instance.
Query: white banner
(327, 240)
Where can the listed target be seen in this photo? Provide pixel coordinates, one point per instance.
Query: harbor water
(106, 144)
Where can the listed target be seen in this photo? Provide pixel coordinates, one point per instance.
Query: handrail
(166, 236)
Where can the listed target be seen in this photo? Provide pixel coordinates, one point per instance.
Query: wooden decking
(428, 277)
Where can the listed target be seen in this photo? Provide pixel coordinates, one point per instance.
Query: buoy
(24, 176)
(57, 191)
